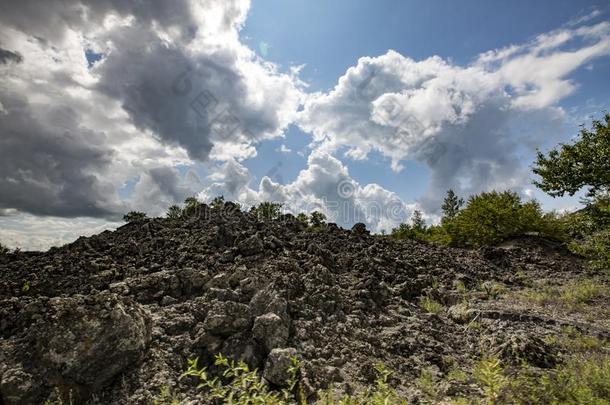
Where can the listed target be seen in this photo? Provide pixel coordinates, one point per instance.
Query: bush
(316, 219)
(218, 203)
(174, 212)
(237, 384)
(596, 249)
(302, 218)
(489, 218)
(134, 216)
(581, 380)
(267, 211)
(3, 250)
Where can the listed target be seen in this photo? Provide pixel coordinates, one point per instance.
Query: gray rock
(251, 246)
(91, 340)
(277, 365)
(270, 330)
(19, 387)
(226, 318)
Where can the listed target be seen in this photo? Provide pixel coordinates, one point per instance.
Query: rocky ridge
(114, 317)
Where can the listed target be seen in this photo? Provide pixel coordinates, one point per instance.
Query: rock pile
(115, 317)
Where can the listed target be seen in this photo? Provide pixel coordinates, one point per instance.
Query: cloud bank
(103, 104)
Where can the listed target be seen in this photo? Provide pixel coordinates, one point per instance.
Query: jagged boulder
(270, 330)
(277, 365)
(79, 342)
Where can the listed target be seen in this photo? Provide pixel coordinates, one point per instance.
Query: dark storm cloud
(48, 163)
(62, 158)
(7, 56)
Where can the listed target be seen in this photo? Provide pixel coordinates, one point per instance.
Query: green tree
(267, 211)
(316, 219)
(134, 216)
(418, 221)
(174, 212)
(489, 218)
(451, 205)
(403, 231)
(191, 204)
(584, 163)
(302, 217)
(218, 203)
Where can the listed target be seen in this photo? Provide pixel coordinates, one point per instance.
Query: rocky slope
(114, 318)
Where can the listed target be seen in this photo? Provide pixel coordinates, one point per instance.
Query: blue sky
(329, 37)
(393, 101)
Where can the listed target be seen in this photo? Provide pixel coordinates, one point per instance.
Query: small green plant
(431, 305)
(580, 380)
(166, 397)
(240, 385)
(59, 398)
(460, 287)
(492, 290)
(25, 287)
(428, 385)
(572, 296)
(489, 374)
(134, 216)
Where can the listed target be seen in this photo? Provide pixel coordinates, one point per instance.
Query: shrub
(489, 218)
(596, 249)
(430, 305)
(218, 203)
(174, 212)
(239, 384)
(3, 250)
(302, 218)
(191, 206)
(489, 374)
(316, 219)
(267, 211)
(134, 216)
(581, 380)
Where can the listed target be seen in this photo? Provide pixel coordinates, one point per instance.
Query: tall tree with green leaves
(218, 203)
(174, 212)
(418, 221)
(190, 206)
(316, 219)
(134, 216)
(583, 163)
(451, 205)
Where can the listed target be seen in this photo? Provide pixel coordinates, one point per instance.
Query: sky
(364, 110)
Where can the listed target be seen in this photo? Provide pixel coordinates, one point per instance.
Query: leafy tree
(403, 231)
(218, 203)
(316, 219)
(266, 211)
(302, 217)
(191, 204)
(489, 218)
(418, 221)
(585, 163)
(134, 216)
(3, 250)
(451, 205)
(174, 212)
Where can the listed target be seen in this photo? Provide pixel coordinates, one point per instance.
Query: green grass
(431, 305)
(572, 296)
